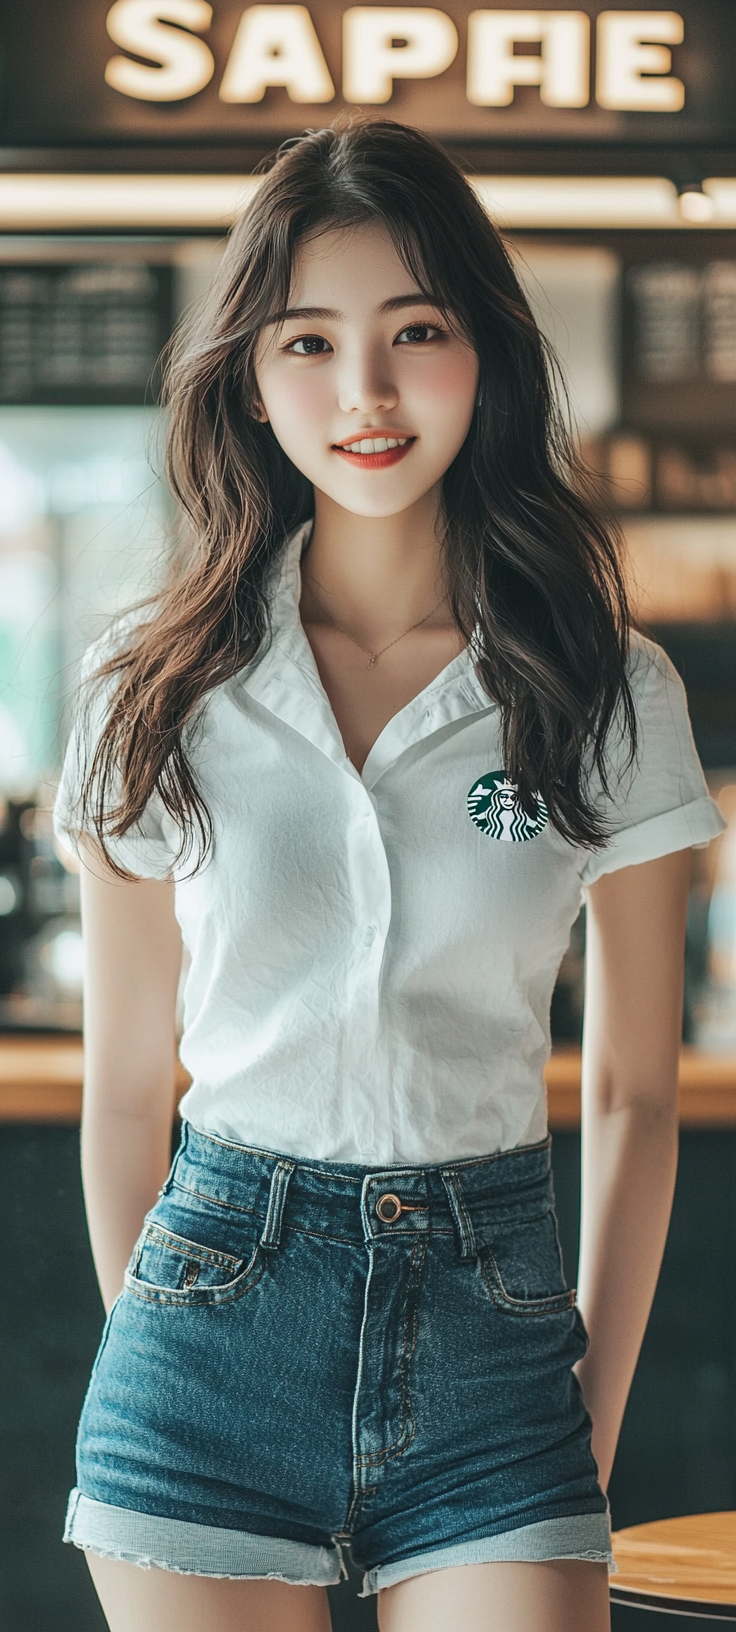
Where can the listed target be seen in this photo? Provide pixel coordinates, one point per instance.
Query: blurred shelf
(707, 1089)
(41, 1081)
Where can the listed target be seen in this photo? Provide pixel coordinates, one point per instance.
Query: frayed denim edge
(98, 1527)
(531, 1544)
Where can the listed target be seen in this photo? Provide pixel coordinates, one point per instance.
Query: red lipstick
(374, 461)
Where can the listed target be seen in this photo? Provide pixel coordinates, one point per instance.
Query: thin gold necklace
(374, 656)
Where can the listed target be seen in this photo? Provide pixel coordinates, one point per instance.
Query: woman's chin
(377, 503)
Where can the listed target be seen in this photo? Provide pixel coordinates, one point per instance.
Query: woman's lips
(379, 460)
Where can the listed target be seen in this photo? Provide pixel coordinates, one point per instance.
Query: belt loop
(282, 1172)
(454, 1191)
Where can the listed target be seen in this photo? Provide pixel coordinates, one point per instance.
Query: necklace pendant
(372, 661)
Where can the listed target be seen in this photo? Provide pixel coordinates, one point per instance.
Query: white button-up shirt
(373, 955)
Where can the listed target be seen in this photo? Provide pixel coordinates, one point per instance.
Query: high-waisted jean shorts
(308, 1356)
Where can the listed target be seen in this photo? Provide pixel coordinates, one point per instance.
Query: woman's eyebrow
(327, 314)
(399, 302)
(323, 314)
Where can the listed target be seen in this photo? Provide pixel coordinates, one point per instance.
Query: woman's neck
(373, 575)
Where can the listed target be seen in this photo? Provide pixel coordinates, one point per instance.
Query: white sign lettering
(384, 43)
(562, 70)
(276, 45)
(633, 72)
(184, 64)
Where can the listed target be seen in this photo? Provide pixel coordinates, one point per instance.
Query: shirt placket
(365, 1065)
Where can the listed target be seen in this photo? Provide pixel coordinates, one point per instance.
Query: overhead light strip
(47, 202)
(580, 201)
(99, 202)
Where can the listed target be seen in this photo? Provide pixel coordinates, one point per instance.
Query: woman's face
(362, 357)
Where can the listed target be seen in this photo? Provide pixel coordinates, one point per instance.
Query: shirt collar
(286, 681)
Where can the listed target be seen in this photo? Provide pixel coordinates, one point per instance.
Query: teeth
(376, 444)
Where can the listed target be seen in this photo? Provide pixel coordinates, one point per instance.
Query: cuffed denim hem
(584, 1536)
(196, 1549)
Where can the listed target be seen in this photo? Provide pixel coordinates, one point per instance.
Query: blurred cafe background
(604, 143)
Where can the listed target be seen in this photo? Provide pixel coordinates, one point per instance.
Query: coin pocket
(168, 1267)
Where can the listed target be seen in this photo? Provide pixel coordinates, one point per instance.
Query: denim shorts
(309, 1356)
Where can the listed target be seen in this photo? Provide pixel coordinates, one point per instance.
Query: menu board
(87, 333)
(719, 310)
(685, 320)
(667, 305)
(679, 346)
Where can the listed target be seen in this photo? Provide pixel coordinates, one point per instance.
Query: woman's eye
(418, 334)
(309, 345)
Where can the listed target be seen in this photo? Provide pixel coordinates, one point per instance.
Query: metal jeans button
(388, 1208)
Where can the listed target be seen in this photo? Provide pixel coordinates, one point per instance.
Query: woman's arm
(633, 1018)
(132, 958)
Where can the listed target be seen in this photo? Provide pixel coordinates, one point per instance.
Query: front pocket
(167, 1268)
(522, 1268)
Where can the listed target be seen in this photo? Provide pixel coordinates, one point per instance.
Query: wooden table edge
(41, 1081)
(637, 1598)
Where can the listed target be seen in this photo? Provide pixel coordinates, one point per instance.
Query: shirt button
(369, 934)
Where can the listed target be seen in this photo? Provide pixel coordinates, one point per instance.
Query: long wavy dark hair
(532, 568)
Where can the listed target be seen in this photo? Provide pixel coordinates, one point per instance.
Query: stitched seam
(351, 1243)
(356, 1469)
(348, 1178)
(187, 1249)
(558, 1302)
(376, 1240)
(406, 1435)
(271, 1234)
(520, 1217)
(456, 1168)
(498, 1155)
(299, 1229)
(230, 1206)
(457, 1203)
(198, 1297)
(376, 1459)
(274, 1156)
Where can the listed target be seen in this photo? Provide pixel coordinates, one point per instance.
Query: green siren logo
(495, 809)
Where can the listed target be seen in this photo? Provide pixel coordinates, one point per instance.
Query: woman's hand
(132, 958)
(633, 1026)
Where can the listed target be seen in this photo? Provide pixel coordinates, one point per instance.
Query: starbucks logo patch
(495, 809)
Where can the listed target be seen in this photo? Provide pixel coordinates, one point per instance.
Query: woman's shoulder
(648, 668)
(662, 742)
(655, 799)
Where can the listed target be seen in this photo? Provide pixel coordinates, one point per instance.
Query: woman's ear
(258, 411)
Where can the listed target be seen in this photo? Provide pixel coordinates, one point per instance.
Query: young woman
(383, 729)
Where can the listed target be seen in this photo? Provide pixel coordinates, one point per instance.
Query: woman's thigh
(137, 1600)
(561, 1595)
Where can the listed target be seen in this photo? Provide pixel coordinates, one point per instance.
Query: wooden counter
(707, 1089)
(41, 1081)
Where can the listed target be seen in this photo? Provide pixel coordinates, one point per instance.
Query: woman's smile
(374, 451)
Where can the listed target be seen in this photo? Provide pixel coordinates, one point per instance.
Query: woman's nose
(366, 382)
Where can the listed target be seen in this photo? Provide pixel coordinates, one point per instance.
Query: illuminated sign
(278, 46)
(185, 73)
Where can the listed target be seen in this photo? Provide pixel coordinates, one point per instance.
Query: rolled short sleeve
(148, 850)
(660, 803)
